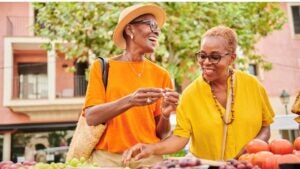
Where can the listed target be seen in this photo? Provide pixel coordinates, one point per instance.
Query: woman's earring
(131, 36)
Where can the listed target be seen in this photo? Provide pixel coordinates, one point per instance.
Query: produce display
(11, 165)
(259, 155)
(73, 163)
(271, 155)
(234, 164)
(177, 163)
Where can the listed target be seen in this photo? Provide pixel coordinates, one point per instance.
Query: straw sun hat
(132, 12)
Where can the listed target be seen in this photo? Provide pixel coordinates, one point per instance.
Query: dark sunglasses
(212, 58)
(153, 26)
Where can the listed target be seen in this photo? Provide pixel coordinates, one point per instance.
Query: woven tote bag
(86, 137)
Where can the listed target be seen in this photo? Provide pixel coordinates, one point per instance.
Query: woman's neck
(133, 56)
(221, 82)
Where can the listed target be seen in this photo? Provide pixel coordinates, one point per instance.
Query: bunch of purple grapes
(234, 164)
(12, 165)
(182, 163)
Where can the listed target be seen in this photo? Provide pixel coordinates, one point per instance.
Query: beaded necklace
(232, 100)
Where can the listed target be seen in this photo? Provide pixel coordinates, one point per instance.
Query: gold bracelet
(164, 117)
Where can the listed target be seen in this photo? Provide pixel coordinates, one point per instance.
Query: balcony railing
(34, 95)
(19, 26)
(80, 85)
(32, 87)
(74, 86)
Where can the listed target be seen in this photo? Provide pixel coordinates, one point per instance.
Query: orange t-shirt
(137, 124)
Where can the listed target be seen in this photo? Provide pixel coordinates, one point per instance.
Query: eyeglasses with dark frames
(153, 26)
(212, 58)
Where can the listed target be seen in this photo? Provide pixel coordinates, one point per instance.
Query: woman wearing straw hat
(138, 100)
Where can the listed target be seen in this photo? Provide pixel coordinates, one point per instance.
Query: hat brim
(154, 10)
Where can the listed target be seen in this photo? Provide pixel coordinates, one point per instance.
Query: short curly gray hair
(225, 32)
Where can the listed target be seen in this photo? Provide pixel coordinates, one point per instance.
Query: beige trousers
(107, 159)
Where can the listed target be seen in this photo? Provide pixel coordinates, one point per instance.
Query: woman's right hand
(145, 96)
(137, 152)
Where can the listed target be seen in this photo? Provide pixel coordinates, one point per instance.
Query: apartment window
(296, 18)
(1, 147)
(253, 69)
(33, 80)
(80, 82)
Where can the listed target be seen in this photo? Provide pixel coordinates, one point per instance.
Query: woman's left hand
(170, 102)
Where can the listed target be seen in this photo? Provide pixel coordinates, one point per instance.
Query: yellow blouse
(198, 117)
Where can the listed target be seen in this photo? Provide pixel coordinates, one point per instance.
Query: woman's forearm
(264, 133)
(169, 105)
(163, 126)
(99, 114)
(170, 145)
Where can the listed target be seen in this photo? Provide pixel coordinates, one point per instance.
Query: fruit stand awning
(38, 126)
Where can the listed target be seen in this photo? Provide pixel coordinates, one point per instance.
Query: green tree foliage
(88, 27)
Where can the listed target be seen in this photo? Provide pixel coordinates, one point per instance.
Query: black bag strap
(105, 67)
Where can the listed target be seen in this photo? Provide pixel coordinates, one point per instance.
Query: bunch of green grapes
(70, 164)
(82, 162)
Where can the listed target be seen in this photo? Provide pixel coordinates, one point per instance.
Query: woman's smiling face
(215, 47)
(145, 32)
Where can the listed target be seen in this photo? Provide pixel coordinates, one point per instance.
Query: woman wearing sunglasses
(221, 111)
(139, 97)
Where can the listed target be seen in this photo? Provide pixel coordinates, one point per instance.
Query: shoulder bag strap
(227, 112)
(105, 68)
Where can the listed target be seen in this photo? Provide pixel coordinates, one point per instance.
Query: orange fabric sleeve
(95, 93)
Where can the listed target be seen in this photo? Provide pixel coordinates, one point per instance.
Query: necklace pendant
(138, 74)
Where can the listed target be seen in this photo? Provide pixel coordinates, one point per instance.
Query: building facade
(40, 101)
(282, 49)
